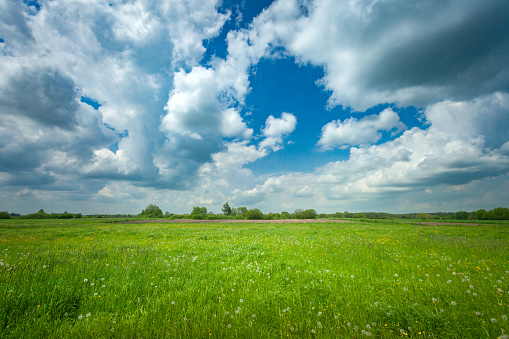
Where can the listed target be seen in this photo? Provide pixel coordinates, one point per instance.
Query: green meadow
(84, 278)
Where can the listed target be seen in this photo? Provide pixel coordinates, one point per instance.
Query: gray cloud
(44, 95)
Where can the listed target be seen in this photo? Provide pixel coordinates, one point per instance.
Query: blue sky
(354, 105)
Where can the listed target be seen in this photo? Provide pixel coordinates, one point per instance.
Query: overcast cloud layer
(106, 107)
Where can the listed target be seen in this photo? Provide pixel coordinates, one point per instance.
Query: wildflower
(351, 276)
(241, 300)
(453, 303)
(368, 326)
(173, 302)
(85, 280)
(348, 324)
(92, 284)
(254, 316)
(80, 316)
(402, 331)
(229, 325)
(493, 320)
(88, 315)
(313, 331)
(504, 317)
(319, 313)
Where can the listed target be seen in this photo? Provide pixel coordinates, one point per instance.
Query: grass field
(93, 279)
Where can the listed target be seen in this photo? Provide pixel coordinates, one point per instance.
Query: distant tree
(499, 213)
(152, 211)
(347, 214)
(5, 215)
(461, 215)
(167, 214)
(297, 214)
(199, 210)
(254, 214)
(309, 214)
(285, 215)
(227, 210)
(241, 211)
(423, 216)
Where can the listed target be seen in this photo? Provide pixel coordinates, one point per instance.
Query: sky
(354, 105)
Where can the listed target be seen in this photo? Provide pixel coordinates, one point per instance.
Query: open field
(93, 279)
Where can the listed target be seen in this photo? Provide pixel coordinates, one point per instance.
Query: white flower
(85, 280)
(88, 315)
(493, 320)
(241, 300)
(80, 316)
(453, 303)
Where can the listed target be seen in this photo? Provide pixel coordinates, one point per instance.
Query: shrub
(254, 214)
(5, 215)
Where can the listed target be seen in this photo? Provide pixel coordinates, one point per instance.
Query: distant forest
(201, 213)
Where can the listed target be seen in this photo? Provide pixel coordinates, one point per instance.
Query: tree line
(228, 212)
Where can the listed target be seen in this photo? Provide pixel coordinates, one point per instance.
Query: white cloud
(353, 132)
(277, 127)
(233, 125)
(397, 51)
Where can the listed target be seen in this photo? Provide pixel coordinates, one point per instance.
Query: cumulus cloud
(276, 128)
(353, 132)
(396, 51)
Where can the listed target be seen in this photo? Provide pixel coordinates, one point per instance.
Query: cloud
(234, 126)
(42, 94)
(401, 52)
(278, 127)
(353, 132)
(485, 116)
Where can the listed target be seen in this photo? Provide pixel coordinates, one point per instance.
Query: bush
(5, 215)
(254, 214)
(152, 211)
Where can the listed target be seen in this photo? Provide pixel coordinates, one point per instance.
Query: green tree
(499, 213)
(5, 215)
(199, 210)
(254, 214)
(285, 215)
(241, 211)
(227, 210)
(309, 214)
(461, 215)
(152, 211)
(423, 216)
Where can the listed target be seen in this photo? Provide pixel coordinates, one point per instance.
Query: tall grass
(90, 279)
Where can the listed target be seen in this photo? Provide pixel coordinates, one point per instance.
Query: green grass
(92, 279)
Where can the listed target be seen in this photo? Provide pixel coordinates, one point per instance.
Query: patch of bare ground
(233, 221)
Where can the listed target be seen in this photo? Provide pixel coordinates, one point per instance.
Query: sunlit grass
(93, 279)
